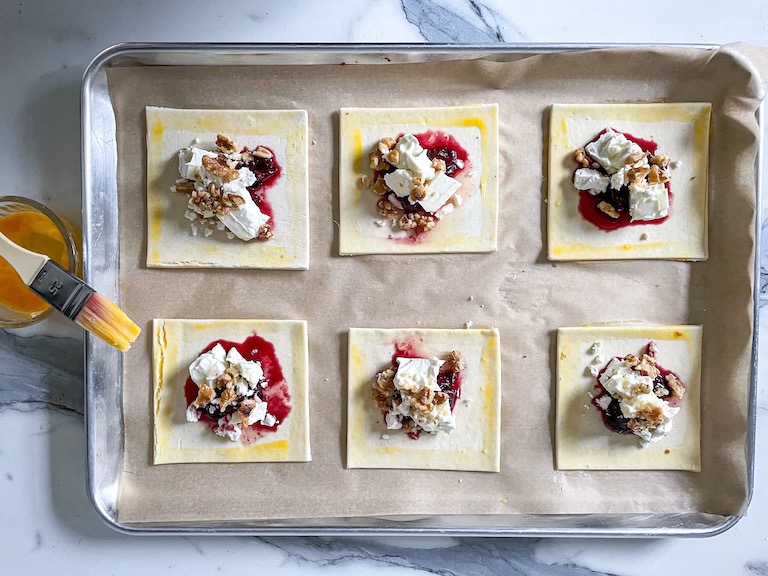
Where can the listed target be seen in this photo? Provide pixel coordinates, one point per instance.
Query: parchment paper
(514, 289)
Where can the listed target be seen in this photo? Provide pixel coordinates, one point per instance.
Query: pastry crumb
(468, 324)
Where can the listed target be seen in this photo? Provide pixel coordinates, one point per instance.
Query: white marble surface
(46, 521)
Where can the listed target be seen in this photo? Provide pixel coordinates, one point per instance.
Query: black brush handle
(61, 289)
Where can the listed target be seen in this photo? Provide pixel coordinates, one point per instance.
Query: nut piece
(454, 362)
(582, 158)
(204, 396)
(220, 169)
(438, 164)
(393, 157)
(416, 221)
(380, 187)
(660, 160)
(265, 233)
(418, 193)
(440, 398)
(647, 366)
(608, 210)
(377, 162)
(228, 396)
(386, 144)
(262, 152)
(185, 186)
(637, 175)
(674, 384)
(657, 175)
(365, 180)
(635, 157)
(226, 144)
(385, 380)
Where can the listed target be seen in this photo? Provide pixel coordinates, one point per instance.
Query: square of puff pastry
(170, 242)
(475, 442)
(582, 440)
(177, 343)
(681, 131)
(471, 227)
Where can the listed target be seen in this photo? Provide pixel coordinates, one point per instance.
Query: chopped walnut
(647, 365)
(265, 233)
(365, 180)
(637, 175)
(380, 187)
(393, 157)
(608, 210)
(386, 144)
(582, 158)
(438, 164)
(631, 360)
(219, 169)
(657, 175)
(417, 221)
(387, 210)
(660, 160)
(674, 384)
(377, 162)
(226, 144)
(454, 362)
(185, 186)
(635, 157)
(441, 397)
(244, 410)
(228, 396)
(385, 380)
(262, 152)
(381, 399)
(418, 193)
(204, 395)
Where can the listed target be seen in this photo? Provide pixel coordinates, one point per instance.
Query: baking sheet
(514, 289)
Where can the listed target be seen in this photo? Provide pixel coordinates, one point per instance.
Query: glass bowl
(12, 204)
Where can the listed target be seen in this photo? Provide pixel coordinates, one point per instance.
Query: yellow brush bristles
(104, 319)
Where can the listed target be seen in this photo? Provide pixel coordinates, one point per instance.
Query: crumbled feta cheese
(611, 150)
(249, 370)
(413, 374)
(440, 189)
(414, 157)
(400, 182)
(588, 179)
(193, 414)
(209, 366)
(648, 202)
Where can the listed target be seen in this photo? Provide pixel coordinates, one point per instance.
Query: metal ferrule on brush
(61, 289)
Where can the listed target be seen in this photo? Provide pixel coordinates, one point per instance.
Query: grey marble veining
(41, 370)
(467, 557)
(464, 22)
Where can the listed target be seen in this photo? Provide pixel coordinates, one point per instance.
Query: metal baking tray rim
(101, 269)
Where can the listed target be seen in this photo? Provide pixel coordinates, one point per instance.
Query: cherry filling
(618, 199)
(437, 145)
(449, 382)
(613, 418)
(275, 394)
(267, 172)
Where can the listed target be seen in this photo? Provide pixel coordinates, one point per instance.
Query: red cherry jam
(449, 382)
(276, 394)
(613, 418)
(267, 172)
(437, 145)
(619, 199)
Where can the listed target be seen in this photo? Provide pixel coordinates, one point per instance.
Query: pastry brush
(70, 295)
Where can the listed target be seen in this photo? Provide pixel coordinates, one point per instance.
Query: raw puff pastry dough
(170, 242)
(176, 343)
(472, 227)
(682, 132)
(583, 442)
(473, 445)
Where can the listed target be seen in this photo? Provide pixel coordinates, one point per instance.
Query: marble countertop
(47, 520)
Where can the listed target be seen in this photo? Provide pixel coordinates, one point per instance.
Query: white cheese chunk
(648, 201)
(249, 370)
(191, 161)
(208, 367)
(588, 179)
(413, 374)
(413, 157)
(400, 182)
(611, 150)
(440, 189)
